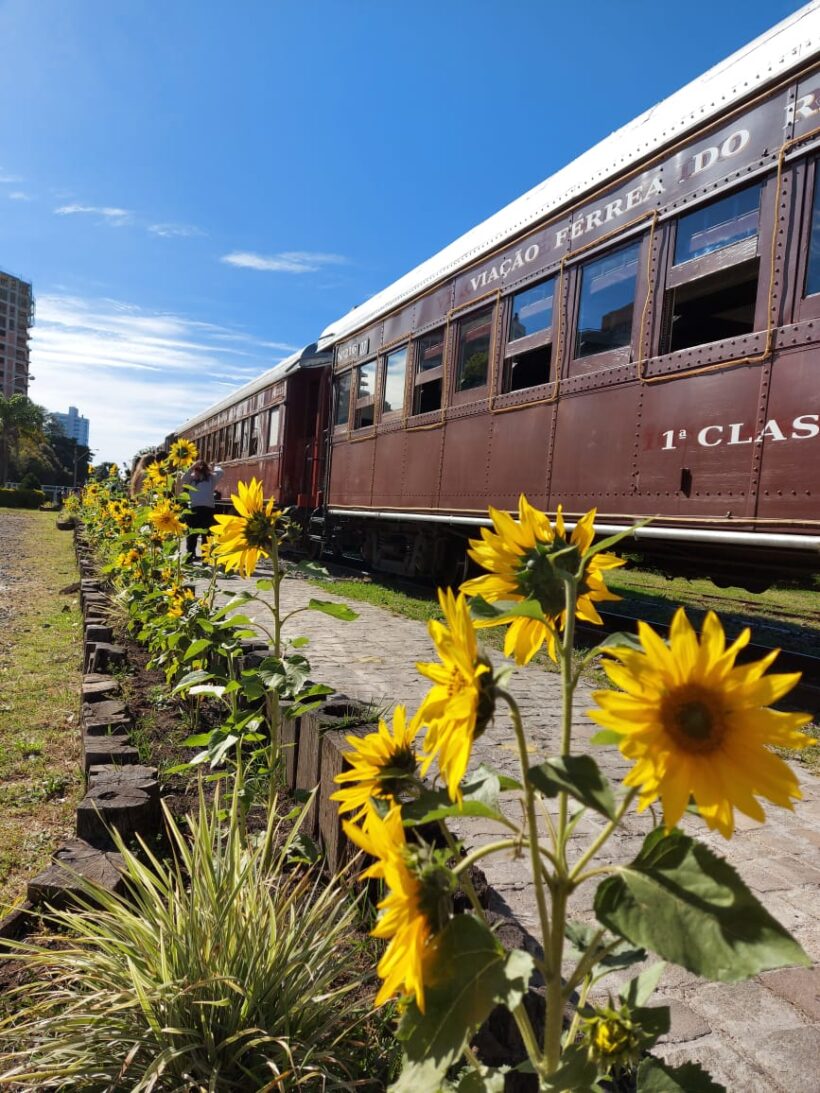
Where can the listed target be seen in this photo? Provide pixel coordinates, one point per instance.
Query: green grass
(40, 675)
(420, 607)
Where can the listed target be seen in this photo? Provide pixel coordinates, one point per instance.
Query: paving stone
(685, 1024)
(800, 986)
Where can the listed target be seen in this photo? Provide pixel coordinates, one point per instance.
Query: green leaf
(576, 1074)
(689, 906)
(211, 689)
(479, 798)
(613, 540)
(299, 643)
(233, 603)
(335, 610)
(655, 1076)
(577, 775)
(312, 569)
(606, 736)
(197, 647)
(621, 639)
(198, 740)
(265, 584)
(639, 990)
(489, 1081)
(502, 610)
(199, 676)
(473, 974)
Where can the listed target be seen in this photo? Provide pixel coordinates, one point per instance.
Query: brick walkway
(761, 1034)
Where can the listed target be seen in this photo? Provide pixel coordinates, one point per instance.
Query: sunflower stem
(482, 852)
(465, 880)
(595, 846)
(553, 970)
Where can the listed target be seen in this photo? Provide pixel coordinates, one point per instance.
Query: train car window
(395, 373)
(712, 285)
(473, 356)
(607, 301)
(718, 224)
(528, 355)
(273, 427)
(236, 440)
(813, 264)
(365, 395)
(429, 371)
(341, 400)
(253, 434)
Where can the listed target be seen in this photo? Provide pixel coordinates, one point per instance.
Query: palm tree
(19, 417)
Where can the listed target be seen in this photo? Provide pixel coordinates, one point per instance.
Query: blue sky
(195, 188)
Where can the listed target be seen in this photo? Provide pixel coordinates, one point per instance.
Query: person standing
(201, 480)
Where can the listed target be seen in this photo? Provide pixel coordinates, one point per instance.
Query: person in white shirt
(201, 480)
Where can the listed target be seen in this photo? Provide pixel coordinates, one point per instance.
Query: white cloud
(109, 213)
(136, 375)
(169, 231)
(20, 195)
(6, 177)
(287, 262)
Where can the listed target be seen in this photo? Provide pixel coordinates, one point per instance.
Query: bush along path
(695, 727)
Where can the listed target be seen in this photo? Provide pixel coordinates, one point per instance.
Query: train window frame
(706, 276)
(807, 305)
(461, 395)
(384, 365)
(616, 355)
(426, 377)
(274, 443)
(363, 403)
(338, 378)
(253, 435)
(527, 344)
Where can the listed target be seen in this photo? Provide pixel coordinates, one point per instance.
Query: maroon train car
(272, 429)
(640, 333)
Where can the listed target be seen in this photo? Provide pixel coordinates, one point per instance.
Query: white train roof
(773, 54)
(302, 358)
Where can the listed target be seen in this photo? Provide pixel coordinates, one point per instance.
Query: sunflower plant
(696, 728)
(279, 686)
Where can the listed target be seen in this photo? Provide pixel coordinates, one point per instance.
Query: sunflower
(460, 704)
(206, 551)
(128, 559)
(415, 908)
(165, 518)
(697, 724)
(155, 477)
(182, 454)
(239, 541)
(381, 765)
(531, 559)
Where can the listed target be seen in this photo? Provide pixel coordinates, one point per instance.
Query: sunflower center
(694, 718)
(543, 577)
(395, 772)
(259, 531)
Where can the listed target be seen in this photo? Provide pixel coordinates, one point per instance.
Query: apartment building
(16, 318)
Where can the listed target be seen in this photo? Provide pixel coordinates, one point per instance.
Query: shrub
(225, 968)
(22, 499)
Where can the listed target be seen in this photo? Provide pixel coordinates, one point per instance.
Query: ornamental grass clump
(227, 967)
(696, 728)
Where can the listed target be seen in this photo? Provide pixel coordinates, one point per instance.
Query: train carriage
(639, 333)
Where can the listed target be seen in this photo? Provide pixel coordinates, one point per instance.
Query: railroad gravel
(764, 1033)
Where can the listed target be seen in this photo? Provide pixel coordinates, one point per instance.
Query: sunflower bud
(613, 1040)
